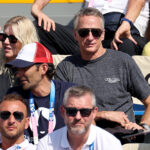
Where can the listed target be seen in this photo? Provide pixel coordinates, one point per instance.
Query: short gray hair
(78, 91)
(88, 12)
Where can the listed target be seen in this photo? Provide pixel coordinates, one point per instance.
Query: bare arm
(115, 116)
(119, 117)
(146, 117)
(133, 11)
(36, 11)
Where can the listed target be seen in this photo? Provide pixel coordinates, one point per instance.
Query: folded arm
(118, 117)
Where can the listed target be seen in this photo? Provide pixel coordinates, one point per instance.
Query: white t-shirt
(58, 140)
(106, 6)
(25, 145)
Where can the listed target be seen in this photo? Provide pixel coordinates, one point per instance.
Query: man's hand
(47, 22)
(122, 32)
(36, 11)
(115, 116)
(133, 126)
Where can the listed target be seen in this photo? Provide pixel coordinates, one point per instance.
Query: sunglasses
(84, 32)
(6, 114)
(85, 112)
(12, 38)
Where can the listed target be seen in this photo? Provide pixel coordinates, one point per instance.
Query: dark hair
(50, 72)
(16, 97)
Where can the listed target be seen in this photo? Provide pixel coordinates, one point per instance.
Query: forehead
(8, 30)
(84, 101)
(89, 22)
(12, 106)
(32, 67)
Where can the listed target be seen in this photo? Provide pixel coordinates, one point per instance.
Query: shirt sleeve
(61, 72)
(137, 85)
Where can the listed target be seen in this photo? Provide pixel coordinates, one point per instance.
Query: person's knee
(129, 47)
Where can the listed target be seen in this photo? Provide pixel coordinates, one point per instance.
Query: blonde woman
(18, 31)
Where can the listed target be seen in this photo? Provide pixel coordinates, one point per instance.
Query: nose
(11, 119)
(90, 36)
(78, 115)
(6, 41)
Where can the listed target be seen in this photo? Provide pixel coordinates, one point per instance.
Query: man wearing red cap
(35, 69)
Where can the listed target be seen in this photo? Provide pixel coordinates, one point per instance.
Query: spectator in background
(146, 49)
(60, 40)
(35, 69)
(18, 31)
(125, 23)
(120, 17)
(79, 110)
(14, 120)
(113, 75)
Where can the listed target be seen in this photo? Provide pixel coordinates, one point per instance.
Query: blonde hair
(23, 29)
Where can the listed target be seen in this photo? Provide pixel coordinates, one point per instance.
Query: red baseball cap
(30, 54)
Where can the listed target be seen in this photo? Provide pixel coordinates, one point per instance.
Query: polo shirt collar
(64, 140)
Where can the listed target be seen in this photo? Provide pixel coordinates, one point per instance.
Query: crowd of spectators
(42, 105)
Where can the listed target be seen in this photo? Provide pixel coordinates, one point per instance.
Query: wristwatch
(145, 126)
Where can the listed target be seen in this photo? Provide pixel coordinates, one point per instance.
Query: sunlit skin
(30, 77)
(10, 49)
(12, 131)
(90, 46)
(35, 79)
(78, 126)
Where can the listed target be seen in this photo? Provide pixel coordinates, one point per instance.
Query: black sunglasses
(84, 32)
(12, 38)
(85, 112)
(6, 114)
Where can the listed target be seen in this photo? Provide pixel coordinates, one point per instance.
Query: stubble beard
(12, 136)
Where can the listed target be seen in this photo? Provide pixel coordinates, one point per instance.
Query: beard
(78, 131)
(11, 136)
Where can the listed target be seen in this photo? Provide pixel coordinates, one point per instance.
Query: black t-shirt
(42, 108)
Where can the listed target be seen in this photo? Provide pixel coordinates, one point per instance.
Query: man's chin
(11, 136)
(77, 130)
(25, 87)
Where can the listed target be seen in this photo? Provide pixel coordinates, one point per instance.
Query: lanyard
(91, 147)
(51, 113)
(18, 147)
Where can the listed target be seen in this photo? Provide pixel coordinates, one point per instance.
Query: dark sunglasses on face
(85, 112)
(84, 32)
(12, 38)
(6, 114)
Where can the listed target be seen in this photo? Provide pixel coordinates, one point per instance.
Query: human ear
(27, 122)
(75, 34)
(44, 68)
(62, 111)
(95, 112)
